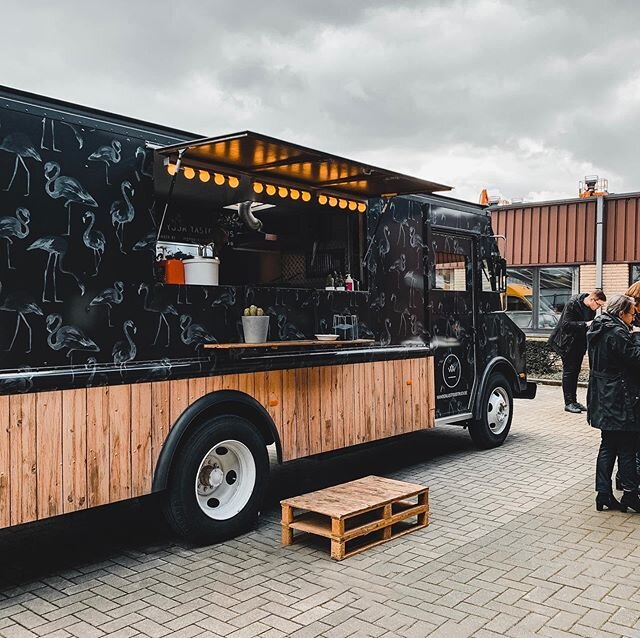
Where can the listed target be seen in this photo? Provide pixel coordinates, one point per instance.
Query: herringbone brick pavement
(515, 548)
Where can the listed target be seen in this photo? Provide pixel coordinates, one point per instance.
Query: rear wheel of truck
(218, 480)
(496, 412)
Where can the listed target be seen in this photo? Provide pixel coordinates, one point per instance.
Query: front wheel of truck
(218, 480)
(496, 412)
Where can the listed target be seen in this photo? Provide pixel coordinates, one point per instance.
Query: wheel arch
(216, 403)
(501, 365)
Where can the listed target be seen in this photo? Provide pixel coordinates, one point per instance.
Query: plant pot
(255, 329)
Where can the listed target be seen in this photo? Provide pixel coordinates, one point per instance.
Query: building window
(451, 272)
(634, 273)
(537, 296)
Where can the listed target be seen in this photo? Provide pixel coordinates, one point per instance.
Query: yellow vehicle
(519, 307)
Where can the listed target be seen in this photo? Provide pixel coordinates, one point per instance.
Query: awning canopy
(266, 158)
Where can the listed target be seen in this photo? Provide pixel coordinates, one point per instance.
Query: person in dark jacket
(613, 400)
(569, 340)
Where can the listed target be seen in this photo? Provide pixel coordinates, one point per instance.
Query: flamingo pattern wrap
(78, 295)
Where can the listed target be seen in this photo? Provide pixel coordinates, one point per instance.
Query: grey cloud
(402, 82)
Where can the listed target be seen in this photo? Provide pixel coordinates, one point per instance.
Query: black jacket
(613, 397)
(572, 326)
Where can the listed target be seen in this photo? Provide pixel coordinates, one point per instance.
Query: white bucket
(255, 329)
(201, 271)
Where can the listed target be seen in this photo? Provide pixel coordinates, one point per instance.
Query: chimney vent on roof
(593, 186)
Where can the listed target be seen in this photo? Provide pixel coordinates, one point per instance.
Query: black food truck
(171, 305)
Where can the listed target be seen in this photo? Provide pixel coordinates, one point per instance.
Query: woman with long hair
(613, 400)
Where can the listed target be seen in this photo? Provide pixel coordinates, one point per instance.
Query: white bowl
(327, 337)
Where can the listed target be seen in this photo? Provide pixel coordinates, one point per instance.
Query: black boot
(630, 499)
(572, 407)
(609, 501)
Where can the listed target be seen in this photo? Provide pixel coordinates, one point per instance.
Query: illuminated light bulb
(353, 205)
(204, 176)
(189, 173)
(271, 189)
(333, 201)
(218, 179)
(294, 194)
(362, 207)
(282, 191)
(322, 199)
(343, 203)
(234, 182)
(258, 187)
(306, 196)
(171, 169)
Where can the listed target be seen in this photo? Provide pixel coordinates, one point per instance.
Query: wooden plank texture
(120, 437)
(141, 468)
(66, 450)
(49, 453)
(74, 449)
(5, 462)
(98, 447)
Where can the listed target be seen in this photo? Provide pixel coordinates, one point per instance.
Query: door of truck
(453, 321)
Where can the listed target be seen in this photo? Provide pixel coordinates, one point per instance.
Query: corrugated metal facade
(564, 232)
(622, 225)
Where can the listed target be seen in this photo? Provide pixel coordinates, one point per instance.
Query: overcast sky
(525, 97)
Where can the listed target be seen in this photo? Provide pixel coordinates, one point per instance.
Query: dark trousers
(622, 445)
(571, 365)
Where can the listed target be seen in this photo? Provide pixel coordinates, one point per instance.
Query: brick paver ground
(515, 548)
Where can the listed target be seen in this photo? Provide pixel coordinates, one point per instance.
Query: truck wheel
(496, 412)
(218, 480)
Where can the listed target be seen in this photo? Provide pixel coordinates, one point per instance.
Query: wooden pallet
(357, 515)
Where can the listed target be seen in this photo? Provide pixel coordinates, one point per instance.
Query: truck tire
(218, 480)
(496, 412)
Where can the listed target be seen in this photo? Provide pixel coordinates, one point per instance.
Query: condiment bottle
(348, 283)
(339, 282)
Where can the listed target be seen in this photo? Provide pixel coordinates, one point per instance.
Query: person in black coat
(613, 400)
(569, 340)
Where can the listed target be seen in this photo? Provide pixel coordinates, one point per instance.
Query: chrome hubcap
(498, 410)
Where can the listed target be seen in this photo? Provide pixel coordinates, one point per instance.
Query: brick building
(558, 248)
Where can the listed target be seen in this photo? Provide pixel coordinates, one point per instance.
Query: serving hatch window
(258, 233)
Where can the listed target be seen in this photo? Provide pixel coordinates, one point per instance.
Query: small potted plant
(255, 325)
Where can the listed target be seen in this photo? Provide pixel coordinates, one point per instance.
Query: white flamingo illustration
(67, 188)
(225, 300)
(163, 309)
(194, 333)
(93, 239)
(20, 145)
(56, 248)
(140, 152)
(125, 350)
(399, 266)
(22, 305)
(74, 130)
(161, 371)
(17, 227)
(386, 340)
(412, 279)
(402, 232)
(108, 298)
(385, 247)
(122, 212)
(68, 338)
(108, 154)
